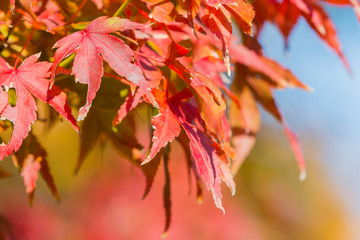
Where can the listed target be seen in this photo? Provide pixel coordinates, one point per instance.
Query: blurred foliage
(271, 203)
(286, 207)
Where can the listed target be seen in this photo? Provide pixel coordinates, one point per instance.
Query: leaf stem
(23, 48)
(77, 11)
(10, 31)
(149, 57)
(4, 44)
(167, 191)
(122, 8)
(123, 80)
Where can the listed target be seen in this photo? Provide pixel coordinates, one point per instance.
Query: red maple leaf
(12, 4)
(263, 92)
(165, 124)
(265, 66)
(219, 23)
(29, 172)
(88, 44)
(208, 97)
(354, 3)
(130, 103)
(207, 157)
(51, 15)
(99, 3)
(217, 19)
(44, 18)
(29, 79)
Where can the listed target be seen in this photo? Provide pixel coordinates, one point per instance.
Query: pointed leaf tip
(164, 235)
(302, 175)
(218, 201)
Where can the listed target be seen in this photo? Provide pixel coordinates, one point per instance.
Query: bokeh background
(104, 200)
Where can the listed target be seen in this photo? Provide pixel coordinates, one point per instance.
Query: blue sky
(332, 112)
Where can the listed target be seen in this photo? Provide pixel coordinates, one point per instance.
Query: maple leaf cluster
(184, 60)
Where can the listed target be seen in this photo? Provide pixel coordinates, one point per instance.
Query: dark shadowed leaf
(30, 160)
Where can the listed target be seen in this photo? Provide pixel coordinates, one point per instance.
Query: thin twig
(77, 11)
(149, 57)
(122, 8)
(123, 80)
(17, 59)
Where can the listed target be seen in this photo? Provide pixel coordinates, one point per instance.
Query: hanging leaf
(30, 160)
(262, 91)
(166, 127)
